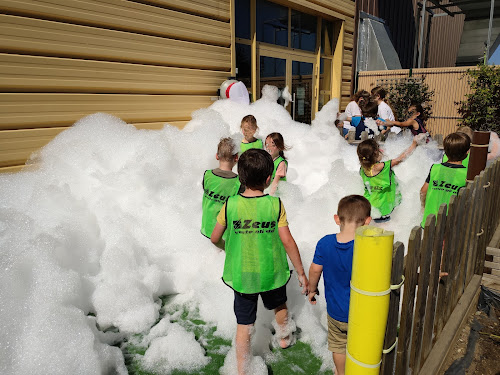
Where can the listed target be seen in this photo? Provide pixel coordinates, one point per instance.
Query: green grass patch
(298, 359)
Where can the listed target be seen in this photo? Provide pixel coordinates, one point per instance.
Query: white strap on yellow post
(397, 286)
(378, 294)
(388, 350)
(365, 365)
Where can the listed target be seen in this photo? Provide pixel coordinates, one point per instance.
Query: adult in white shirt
(384, 111)
(353, 110)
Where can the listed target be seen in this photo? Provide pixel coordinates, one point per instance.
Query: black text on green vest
(277, 162)
(216, 190)
(382, 190)
(256, 260)
(444, 182)
(255, 144)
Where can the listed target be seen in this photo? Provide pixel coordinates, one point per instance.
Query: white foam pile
(108, 219)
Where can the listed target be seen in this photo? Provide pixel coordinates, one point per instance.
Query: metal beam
(442, 7)
(456, 3)
(421, 38)
(490, 25)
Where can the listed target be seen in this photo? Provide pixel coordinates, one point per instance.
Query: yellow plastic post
(369, 303)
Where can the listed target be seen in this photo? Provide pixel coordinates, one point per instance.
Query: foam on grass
(108, 219)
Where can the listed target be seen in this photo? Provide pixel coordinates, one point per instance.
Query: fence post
(391, 332)
(423, 282)
(476, 226)
(448, 257)
(464, 233)
(491, 183)
(478, 154)
(411, 273)
(437, 251)
(457, 236)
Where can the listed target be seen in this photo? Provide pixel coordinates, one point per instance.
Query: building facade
(155, 61)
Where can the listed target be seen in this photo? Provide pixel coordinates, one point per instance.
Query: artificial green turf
(298, 359)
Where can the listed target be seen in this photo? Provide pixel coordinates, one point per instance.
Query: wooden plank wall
(448, 87)
(137, 59)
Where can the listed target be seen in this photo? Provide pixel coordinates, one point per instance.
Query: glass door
(302, 91)
(272, 72)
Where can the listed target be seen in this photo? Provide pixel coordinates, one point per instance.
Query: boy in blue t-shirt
(333, 258)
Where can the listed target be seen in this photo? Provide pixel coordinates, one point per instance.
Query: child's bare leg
(339, 360)
(281, 315)
(243, 347)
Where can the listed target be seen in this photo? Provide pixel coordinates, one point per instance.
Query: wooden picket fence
(434, 308)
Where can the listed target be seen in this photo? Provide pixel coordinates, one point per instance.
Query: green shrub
(407, 91)
(481, 109)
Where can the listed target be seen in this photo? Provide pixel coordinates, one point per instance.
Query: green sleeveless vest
(444, 182)
(216, 190)
(256, 260)
(277, 162)
(255, 144)
(465, 162)
(382, 190)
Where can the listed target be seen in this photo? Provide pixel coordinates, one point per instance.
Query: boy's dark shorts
(245, 305)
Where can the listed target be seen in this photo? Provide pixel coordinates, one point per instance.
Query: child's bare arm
(423, 193)
(407, 123)
(216, 236)
(293, 253)
(280, 172)
(314, 275)
(405, 154)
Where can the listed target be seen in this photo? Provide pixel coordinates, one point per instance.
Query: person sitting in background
(384, 110)
(366, 122)
(415, 121)
(353, 109)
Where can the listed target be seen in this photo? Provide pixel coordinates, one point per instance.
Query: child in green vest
(257, 245)
(445, 179)
(249, 128)
(465, 130)
(219, 184)
(275, 145)
(379, 180)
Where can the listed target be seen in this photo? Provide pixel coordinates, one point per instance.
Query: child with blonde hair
(219, 184)
(249, 128)
(275, 145)
(333, 259)
(381, 187)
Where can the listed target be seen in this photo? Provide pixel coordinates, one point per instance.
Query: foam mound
(107, 219)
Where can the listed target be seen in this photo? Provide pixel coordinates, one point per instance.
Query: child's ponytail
(368, 153)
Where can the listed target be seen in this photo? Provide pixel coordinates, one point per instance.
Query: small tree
(481, 109)
(409, 91)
